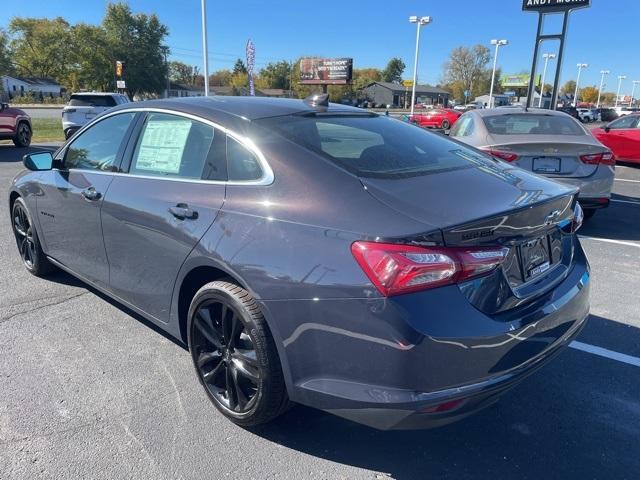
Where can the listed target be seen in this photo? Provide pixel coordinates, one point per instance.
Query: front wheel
(27, 240)
(234, 355)
(23, 135)
(445, 124)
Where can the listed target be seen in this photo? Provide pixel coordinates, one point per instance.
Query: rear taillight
(396, 269)
(603, 158)
(501, 154)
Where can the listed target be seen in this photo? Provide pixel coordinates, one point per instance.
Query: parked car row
(442, 118)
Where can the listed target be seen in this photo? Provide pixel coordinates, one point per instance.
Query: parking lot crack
(40, 307)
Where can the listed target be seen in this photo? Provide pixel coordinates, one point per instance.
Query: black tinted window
(242, 164)
(92, 101)
(371, 146)
(532, 124)
(97, 147)
(625, 122)
(172, 146)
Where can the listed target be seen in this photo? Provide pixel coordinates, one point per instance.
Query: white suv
(83, 107)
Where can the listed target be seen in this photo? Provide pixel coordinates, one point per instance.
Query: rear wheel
(234, 355)
(27, 240)
(23, 135)
(68, 133)
(445, 124)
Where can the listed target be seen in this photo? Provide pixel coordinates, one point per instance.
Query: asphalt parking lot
(90, 390)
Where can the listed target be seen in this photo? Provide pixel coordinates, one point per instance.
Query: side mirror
(38, 161)
(607, 129)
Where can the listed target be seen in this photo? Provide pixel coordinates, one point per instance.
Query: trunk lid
(557, 156)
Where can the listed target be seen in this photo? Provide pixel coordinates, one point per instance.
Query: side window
(627, 121)
(97, 147)
(172, 146)
(242, 164)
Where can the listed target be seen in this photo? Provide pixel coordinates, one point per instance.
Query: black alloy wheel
(23, 135)
(234, 354)
(24, 235)
(33, 258)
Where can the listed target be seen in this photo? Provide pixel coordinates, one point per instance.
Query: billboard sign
(325, 71)
(544, 6)
(518, 81)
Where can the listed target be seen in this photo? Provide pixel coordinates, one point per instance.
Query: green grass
(47, 130)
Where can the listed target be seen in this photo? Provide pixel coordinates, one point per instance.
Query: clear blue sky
(372, 31)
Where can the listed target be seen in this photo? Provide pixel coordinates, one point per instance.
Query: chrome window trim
(267, 173)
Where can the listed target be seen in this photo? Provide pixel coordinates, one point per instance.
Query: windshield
(373, 146)
(532, 124)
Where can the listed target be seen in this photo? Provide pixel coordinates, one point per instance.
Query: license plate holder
(535, 257)
(547, 164)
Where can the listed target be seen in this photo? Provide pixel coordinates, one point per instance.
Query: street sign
(119, 69)
(467, 93)
(509, 94)
(407, 83)
(544, 6)
(121, 84)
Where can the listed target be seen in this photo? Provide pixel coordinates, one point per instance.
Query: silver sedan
(546, 142)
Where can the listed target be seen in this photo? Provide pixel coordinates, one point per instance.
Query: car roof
(245, 108)
(94, 94)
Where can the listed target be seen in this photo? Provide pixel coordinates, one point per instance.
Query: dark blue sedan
(314, 253)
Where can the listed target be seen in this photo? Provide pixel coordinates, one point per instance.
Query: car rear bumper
(421, 359)
(593, 188)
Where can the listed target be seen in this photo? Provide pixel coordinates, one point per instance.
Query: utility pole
(498, 44)
(420, 21)
(205, 48)
(547, 57)
(620, 79)
(575, 97)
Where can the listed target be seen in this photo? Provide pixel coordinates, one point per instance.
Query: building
(399, 96)
(18, 86)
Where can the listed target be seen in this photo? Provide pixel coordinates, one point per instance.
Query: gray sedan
(545, 142)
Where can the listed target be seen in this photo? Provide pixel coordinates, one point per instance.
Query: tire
(234, 355)
(445, 124)
(589, 213)
(68, 133)
(33, 258)
(23, 135)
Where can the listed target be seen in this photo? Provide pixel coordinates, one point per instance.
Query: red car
(622, 136)
(437, 118)
(15, 125)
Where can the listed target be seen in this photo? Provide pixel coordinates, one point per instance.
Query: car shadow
(565, 421)
(10, 153)
(617, 222)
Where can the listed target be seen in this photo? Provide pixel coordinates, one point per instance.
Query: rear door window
(242, 164)
(532, 124)
(172, 146)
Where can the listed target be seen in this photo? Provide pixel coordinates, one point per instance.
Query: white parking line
(610, 240)
(626, 180)
(603, 352)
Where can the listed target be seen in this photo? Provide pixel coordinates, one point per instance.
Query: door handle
(91, 194)
(182, 211)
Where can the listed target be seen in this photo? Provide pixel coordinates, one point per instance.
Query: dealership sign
(325, 71)
(553, 5)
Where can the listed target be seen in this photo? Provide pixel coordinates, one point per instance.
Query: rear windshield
(532, 124)
(373, 146)
(92, 101)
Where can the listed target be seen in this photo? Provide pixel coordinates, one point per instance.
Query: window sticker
(162, 145)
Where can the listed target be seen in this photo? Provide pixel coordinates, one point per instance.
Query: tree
(569, 88)
(239, 67)
(276, 75)
(41, 47)
(137, 40)
(547, 88)
(180, 72)
(589, 94)
(6, 65)
(221, 78)
(466, 71)
(393, 71)
(91, 64)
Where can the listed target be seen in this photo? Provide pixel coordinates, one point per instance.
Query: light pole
(547, 57)
(420, 21)
(575, 97)
(633, 91)
(620, 79)
(498, 44)
(603, 73)
(205, 48)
